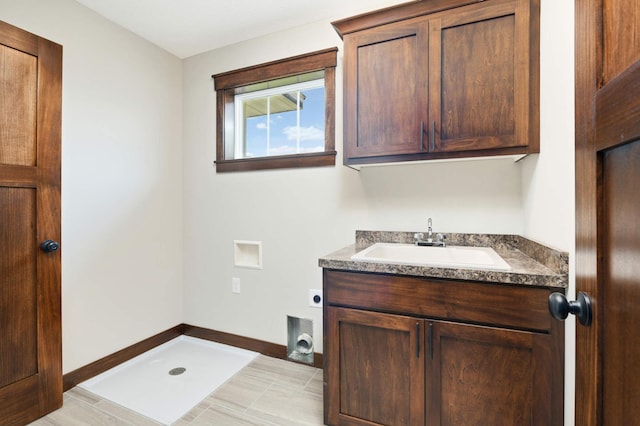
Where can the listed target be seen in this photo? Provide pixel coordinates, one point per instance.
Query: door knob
(560, 307)
(49, 246)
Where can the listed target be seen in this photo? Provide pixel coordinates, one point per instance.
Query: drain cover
(177, 371)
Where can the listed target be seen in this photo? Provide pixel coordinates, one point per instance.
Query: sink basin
(451, 257)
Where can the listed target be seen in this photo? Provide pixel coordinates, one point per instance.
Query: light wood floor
(268, 392)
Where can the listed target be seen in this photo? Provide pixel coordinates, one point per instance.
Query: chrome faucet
(429, 231)
(440, 238)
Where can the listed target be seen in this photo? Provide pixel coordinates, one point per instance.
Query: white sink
(452, 256)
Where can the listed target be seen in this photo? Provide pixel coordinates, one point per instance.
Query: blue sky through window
(285, 136)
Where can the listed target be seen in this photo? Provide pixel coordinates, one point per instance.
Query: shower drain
(177, 371)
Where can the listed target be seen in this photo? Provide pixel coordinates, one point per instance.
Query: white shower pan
(167, 381)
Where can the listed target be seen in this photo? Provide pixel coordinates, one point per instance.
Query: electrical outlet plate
(313, 298)
(235, 285)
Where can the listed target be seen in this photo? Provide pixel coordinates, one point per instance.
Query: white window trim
(239, 148)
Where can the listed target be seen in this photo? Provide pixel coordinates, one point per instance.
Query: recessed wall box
(247, 254)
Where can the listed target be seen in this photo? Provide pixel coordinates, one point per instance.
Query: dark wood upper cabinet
(448, 79)
(384, 113)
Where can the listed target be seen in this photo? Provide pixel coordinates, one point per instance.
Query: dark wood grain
(30, 212)
(483, 303)
(588, 71)
(330, 113)
(320, 159)
(484, 77)
(18, 87)
(19, 402)
(621, 38)
(49, 205)
(378, 374)
(396, 13)
(607, 96)
(456, 83)
(228, 83)
(618, 109)
(492, 353)
(385, 90)
(19, 289)
(620, 284)
(474, 71)
(299, 64)
(482, 375)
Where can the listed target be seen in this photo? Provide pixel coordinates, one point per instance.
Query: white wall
(302, 214)
(548, 179)
(298, 214)
(121, 178)
(146, 219)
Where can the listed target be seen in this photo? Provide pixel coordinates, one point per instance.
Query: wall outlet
(315, 298)
(235, 285)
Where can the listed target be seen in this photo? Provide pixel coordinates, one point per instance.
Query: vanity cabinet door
(385, 90)
(483, 78)
(374, 371)
(488, 376)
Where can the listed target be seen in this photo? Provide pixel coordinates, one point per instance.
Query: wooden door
(375, 368)
(608, 210)
(30, 126)
(489, 376)
(386, 90)
(483, 77)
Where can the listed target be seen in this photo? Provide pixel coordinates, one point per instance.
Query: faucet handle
(418, 236)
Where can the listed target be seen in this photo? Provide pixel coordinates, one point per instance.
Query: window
(281, 120)
(277, 115)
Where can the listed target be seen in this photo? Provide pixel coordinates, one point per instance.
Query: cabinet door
(481, 78)
(375, 368)
(488, 376)
(385, 90)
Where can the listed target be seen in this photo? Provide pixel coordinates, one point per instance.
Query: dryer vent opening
(300, 339)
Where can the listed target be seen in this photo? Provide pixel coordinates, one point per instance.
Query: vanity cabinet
(402, 350)
(482, 375)
(442, 79)
(378, 375)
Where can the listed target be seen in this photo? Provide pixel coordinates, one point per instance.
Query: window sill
(316, 159)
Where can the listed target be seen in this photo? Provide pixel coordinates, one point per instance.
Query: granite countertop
(531, 263)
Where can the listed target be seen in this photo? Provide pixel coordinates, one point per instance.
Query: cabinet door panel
(30, 279)
(386, 90)
(379, 378)
(478, 79)
(489, 376)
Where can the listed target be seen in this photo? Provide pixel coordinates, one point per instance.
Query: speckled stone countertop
(531, 263)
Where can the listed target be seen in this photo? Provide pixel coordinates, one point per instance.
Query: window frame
(241, 99)
(228, 84)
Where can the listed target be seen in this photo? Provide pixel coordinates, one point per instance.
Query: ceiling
(189, 27)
